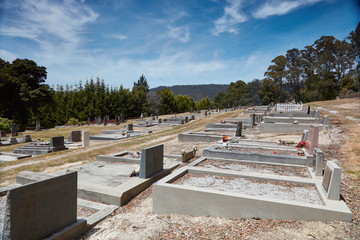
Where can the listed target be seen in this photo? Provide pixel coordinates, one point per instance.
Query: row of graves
(67, 203)
(237, 177)
(282, 120)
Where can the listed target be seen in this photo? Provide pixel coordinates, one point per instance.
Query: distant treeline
(327, 68)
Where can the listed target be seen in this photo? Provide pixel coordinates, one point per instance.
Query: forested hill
(197, 92)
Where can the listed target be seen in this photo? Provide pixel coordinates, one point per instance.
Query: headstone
(312, 139)
(99, 120)
(38, 126)
(304, 136)
(129, 127)
(252, 119)
(152, 161)
(337, 97)
(316, 115)
(153, 118)
(75, 136)
(13, 140)
(331, 180)
(192, 117)
(14, 130)
(27, 138)
(142, 115)
(186, 119)
(122, 117)
(57, 141)
(85, 138)
(159, 120)
(308, 110)
(326, 120)
(106, 118)
(205, 113)
(319, 161)
(191, 109)
(117, 120)
(40, 209)
(238, 129)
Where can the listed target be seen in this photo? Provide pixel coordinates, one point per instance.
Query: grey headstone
(316, 115)
(39, 209)
(106, 118)
(318, 161)
(27, 138)
(186, 119)
(122, 117)
(57, 141)
(130, 127)
(192, 117)
(205, 113)
(331, 180)
(85, 138)
(13, 140)
(98, 120)
(89, 121)
(152, 161)
(117, 120)
(326, 120)
(38, 126)
(304, 136)
(252, 119)
(159, 120)
(75, 136)
(14, 130)
(238, 129)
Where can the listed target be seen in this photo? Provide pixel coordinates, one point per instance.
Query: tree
(267, 91)
(277, 74)
(168, 104)
(142, 82)
(204, 103)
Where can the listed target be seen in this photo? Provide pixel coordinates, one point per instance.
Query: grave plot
(199, 137)
(254, 167)
(115, 181)
(199, 191)
(116, 134)
(7, 157)
(133, 157)
(260, 154)
(38, 148)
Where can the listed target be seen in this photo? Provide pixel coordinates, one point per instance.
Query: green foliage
(72, 121)
(168, 103)
(204, 103)
(5, 124)
(142, 82)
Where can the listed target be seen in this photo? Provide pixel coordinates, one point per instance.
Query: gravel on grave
(85, 212)
(256, 167)
(258, 150)
(254, 187)
(2, 212)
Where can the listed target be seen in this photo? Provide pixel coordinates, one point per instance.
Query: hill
(197, 92)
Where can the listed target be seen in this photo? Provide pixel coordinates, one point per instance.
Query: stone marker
(85, 138)
(38, 126)
(14, 130)
(75, 136)
(98, 120)
(57, 141)
(316, 114)
(159, 120)
(152, 161)
(122, 116)
(252, 120)
(319, 161)
(312, 139)
(308, 110)
(89, 121)
(238, 129)
(304, 136)
(27, 138)
(130, 127)
(331, 180)
(13, 140)
(40, 209)
(326, 120)
(192, 117)
(205, 113)
(186, 119)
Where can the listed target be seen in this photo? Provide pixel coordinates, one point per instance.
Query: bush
(72, 121)
(5, 124)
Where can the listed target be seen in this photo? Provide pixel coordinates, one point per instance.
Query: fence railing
(281, 107)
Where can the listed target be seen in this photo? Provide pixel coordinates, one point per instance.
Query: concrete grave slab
(6, 157)
(172, 198)
(331, 180)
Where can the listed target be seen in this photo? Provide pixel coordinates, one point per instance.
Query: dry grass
(85, 155)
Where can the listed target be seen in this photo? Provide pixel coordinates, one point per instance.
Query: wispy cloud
(278, 7)
(180, 33)
(230, 20)
(48, 22)
(119, 36)
(9, 56)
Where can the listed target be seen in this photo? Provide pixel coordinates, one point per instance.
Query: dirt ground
(136, 220)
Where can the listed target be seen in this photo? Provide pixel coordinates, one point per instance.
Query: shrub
(5, 124)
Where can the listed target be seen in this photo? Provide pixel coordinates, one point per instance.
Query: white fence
(280, 107)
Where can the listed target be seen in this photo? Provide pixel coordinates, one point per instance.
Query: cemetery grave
(38, 148)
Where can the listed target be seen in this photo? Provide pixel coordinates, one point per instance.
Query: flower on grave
(225, 138)
(274, 152)
(235, 122)
(183, 152)
(135, 172)
(195, 148)
(282, 142)
(301, 144)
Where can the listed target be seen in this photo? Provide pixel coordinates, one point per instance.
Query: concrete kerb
(261, 157)
(170, 198)
(123, 157)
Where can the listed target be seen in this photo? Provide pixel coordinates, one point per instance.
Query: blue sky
(171, 42)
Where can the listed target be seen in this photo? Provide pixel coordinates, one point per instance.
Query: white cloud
(278, 7)
(119, 36)
(180, 33)
(8, 56)
(49, 22)
(231, 19)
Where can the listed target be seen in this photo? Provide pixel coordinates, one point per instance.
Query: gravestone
(13, 140)
(40, 209)
(304, 136)
(57, 141)
(192, 117)
(331, 180)
(75, 136)
(106, 118)
(89, 121)
(238, 129)
(122, 116)
(99, 120)
(186, 119)
(326, 120)
(318, 161)
(316, 114)
(27, 138)
(85, 138)
(205, 113)
(312, 139)
(159, 120)
(252, 119)
(130, 127)
(308, 110)
(38, 126)
(191, 109)
(142, 115)
(152, 161)
(14, 130)
(117, 122)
